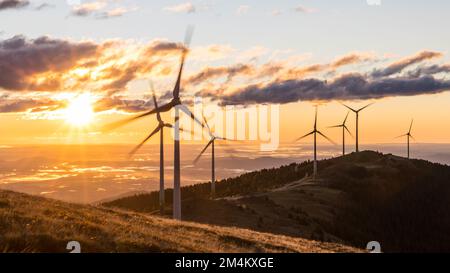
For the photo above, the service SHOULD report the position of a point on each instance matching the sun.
(79, 112)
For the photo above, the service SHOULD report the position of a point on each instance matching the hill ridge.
(37, 224)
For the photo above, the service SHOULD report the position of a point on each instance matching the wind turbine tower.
(344, 128)
(314, 132)
(408, 136)
(357, 122)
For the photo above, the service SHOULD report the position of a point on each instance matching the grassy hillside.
(35, 224)
(357, 198)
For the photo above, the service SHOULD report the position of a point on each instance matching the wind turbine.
(160, 129)
(211, 142)
(344, 128)
(315, 132)
(357, 122)
(408, 136)
(176, 104)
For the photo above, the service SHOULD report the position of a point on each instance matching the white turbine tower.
(357, 122)
(344, 128)
(315, 132)
(176, 104)
(408, 137)
(159, 128)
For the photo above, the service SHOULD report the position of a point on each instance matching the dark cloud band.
(348, 87)
(13, 4)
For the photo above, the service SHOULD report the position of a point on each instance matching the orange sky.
(380, 123)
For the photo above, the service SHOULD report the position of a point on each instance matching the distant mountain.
(403, 204)
(36, 224)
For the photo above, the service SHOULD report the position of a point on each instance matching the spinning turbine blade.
(181, 129)
(315, 120)
(302, 137)
(401, 136)
(203, 151)
(188, 35)
(410, 126)
(158, 115)
(145, 140)
(345, 127)
(186, 110)
(351, 109)
(327, 138)
(187, 40)
(206, 122)
(365, 107)
(176, 90)
(346, 117)
(120, 123)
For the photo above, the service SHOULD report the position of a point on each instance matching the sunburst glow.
(79, 113)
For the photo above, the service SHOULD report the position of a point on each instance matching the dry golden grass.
(34, 224)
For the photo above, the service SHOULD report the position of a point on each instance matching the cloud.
(19, 105)
(100, 10)
(303, 9)
(44, 6)
(347, 87)
(117, 12)
(187, 7)
(47, 64)
(221, 71)
(430, 70)
(276, 12)
(349, 59)
(13, 4)
(32, 66)
(122, 104)
(87, 9)
(243, 9)
(23, 61)
(399, 66)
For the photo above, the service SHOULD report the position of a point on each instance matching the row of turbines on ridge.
(178, 106)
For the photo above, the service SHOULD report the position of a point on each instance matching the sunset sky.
(68, 68)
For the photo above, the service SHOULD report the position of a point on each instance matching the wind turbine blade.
(315, 119)
(176, 90)
(410, 127)
(351, 109)
(186, 110)
(158, 115)
(164, 108)
(412, 137)
(345, 127)
(145, 140)
(187, 41)
(203, 151)
(223, 138)
(336, 126)
(120, 123)
(302, 137)
(346, 117)
(206, 122)
(327, 138)
(364, 107)
(401, 136)
(188, 35)
(168, 125)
